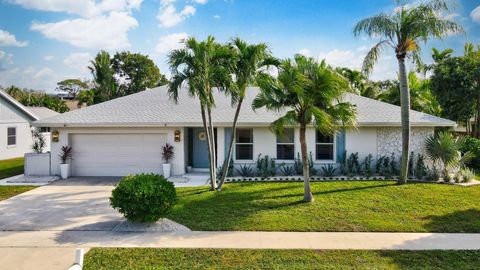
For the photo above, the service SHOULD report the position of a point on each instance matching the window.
(11, 136)
(244, 144)
(285, 145)
(324, 147)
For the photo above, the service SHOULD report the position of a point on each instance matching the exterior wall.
(178, 162)
(11, 117)
(390, 140)
(362, 140)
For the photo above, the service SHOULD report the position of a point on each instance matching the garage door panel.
(116, 154)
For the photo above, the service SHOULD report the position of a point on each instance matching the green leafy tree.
(86, 97)
(248, 62)
(72, 86)
(135, 72)
(421, 97)
(452, 83)
(472, 56)
(37, 99)
(403, 30)
(360, 82)
(306, 93)
(201, 67)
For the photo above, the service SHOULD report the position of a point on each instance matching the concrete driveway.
(80, 204)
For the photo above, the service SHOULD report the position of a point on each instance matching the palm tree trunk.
(307, 193)
(226, 164)
(405, 117)
(207, 132)
(212, 150)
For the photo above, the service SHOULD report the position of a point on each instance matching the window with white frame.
(244, 144)
(325, 146)
(286, 145)
(11, 136)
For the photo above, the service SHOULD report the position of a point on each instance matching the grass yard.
(10, 191)
(11, 167)
(376, 206)
(148, 258)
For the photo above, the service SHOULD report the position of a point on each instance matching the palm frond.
(372, 57)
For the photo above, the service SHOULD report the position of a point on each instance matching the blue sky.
(43, 42)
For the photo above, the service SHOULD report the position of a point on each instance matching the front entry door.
(200, 149)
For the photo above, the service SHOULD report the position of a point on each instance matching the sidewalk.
(246, 240)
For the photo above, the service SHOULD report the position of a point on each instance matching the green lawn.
(10, 191)
(11, 167)
(377, 206)
(118, 258)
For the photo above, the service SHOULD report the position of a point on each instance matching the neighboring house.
(125, 135)
(15, 126)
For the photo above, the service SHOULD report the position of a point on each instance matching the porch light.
(177, 135)
(55, 136)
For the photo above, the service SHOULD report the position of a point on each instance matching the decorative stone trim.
(315, 178)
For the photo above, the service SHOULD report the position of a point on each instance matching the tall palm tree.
(307, 93)
(202, 67)
(403, 30)
(248, 62)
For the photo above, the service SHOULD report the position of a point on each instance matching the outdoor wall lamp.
(177, 135)
(55, 136)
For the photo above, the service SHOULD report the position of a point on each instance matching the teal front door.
(199, 149)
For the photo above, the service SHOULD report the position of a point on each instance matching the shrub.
(66, 154)
(467, 175)
(353, 165)
(367, 165)
(472, 145)
(167, 152)
(328, 170)
(420, 168)
(39, 141)
(143, 197)
(245, 171)
(287, 170)
(265, 166)
(299, 164)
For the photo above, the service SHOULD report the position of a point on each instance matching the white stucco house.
(15, 126)
(125, 135)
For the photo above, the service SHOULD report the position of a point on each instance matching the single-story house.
(125, 135)
(15, 126)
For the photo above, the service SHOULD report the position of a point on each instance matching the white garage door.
(116, 154)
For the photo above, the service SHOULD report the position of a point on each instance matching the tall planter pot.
(64, 170)
(166, 170)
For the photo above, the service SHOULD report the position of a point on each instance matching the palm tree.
(202, 67)
(403, 30)
(445, 148)
(105, 85)
(306, 93)
(248, 62)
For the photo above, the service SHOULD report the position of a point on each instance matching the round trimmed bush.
(143, 197)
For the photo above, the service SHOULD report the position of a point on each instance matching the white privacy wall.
(65, 135)
(362, 140)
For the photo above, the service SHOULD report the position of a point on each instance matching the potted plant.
(65, 156)
(167, 153)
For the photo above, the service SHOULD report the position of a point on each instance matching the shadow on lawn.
(458, 222)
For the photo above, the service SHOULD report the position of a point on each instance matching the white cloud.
(217, 17)
(102, 32)
(79, 62)
(31, 77)
(7, 39)
(168, 16)
(201, 2)
(170, 42)
(5, 58)
(475, 14)
(305, 52)
(48, 57)
(85, 8)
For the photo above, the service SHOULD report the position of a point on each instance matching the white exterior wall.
(178, 162)
(11, 117)
(362, 140)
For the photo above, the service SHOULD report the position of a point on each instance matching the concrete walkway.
(248, 240)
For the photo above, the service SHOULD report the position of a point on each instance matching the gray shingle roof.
(42, 112)
(154, 108)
